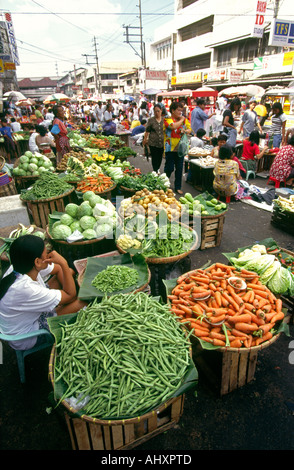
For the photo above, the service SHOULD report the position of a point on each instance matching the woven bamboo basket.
(170, 259)
(89, 433)
(2, 162)
(127, 191)
(41, 208)
(8, 189)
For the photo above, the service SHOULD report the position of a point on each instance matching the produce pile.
(203, 204)
(117, 169)
(124, 152)
(94, 218)
(150, 181)
(272, 272)
(48, 185)
(149, 203)
(97, 184)
(154, 240)
(32, 164)
(284, 204)
(224, 313)
(81, 156)
(115, 278)
(122, 357)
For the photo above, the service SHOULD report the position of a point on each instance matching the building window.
(224, 56)
(163, 50)
(195, 63)
(248, 49)
(197, 29)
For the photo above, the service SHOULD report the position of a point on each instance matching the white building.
(214, 43)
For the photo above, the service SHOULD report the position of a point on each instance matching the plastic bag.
(109, 128)
(183, 146)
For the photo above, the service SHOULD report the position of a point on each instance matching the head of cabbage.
(87, 222)
(66, 219)
(84, 209)
(61, 232)
(72, 209)
(89, 234)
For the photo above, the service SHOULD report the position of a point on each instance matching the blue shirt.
(6, 130)
(138, 130)
(198, 116)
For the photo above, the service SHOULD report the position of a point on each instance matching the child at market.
(25, 300)
(251, 151)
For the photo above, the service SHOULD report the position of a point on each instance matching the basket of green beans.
(122, 357)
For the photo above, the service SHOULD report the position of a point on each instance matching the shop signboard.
(9, 66)
(11, 38)
(216, 75)
(156, 75)
(4, 43)
(187, 77)
(259, 19)
(273, 64)
(282, 33)
(1, 67)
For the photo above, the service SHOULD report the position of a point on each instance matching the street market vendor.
(59, 131)
(25, 300)
(226, 173)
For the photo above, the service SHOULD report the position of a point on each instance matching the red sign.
(86, 90)
(74, 87)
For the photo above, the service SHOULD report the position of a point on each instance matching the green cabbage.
(66, 219)
(24, 159)
(269, 272)
(244, 259)
(84, 209)
(61, 232)
(34, 160)
(95, 199)
(28, 153)
(260, 264)
(76, 226)
(280, 282)
(87, 222)
(87, 195)
(103, 228)
(72, 209)
(89, 234)
(32, 167)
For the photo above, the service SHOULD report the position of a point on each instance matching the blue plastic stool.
(249, 173)
(21, 354)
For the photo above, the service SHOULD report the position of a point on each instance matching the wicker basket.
(41, 208)
(88, 433)
(170, 259)
(2, 162)
(4, 179)
(8, 189)
(127, 191)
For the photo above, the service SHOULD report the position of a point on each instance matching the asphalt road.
(258, 416)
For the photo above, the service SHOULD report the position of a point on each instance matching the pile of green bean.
(47, 185)
(115, 278)
(170, 240)
(128, 353)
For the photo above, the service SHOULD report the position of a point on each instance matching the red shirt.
(249, 150)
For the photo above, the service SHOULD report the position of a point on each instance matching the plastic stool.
(277, 182)
(228, 199)
(249, 173)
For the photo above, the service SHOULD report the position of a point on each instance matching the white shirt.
(23, 303)
(98, 113)
(15, 126)
(32, 142)
(107, 116)
(49, 116)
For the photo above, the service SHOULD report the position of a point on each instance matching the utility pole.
(139, 38)
(96, 71)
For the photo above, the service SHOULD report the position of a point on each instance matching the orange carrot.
(264, 338)
(237, 343)
(279, 316)
(246, 318)
(266, 328)
(245, 327)
(218, 298)
(279, 305)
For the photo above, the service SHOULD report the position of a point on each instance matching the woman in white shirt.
(25, 300)
(278, 126)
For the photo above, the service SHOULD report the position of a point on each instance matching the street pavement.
(258, 416)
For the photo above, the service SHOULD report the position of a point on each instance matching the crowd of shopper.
(159, 128)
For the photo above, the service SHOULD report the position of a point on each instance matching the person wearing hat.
(250, 120)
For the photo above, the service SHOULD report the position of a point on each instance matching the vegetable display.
(203, 204)
(115, 278)
(97, 184)
(151, 181)
(123, 356)
(32, 164)
(124, 152)
(95, 217)
(272, 272)
(223, 315)
(285, 204)
(149, 203)
(48, 185)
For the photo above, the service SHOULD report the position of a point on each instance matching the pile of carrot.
(229, 317)
(95, 184)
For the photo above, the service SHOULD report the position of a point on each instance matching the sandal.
(179, 191)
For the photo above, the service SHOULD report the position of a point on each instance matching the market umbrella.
(254, 90)
(26, 102)
(232, 90)
(15, 95)
(151, 91)
(56, 98)
(128, 98)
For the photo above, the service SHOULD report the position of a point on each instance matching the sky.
(54, 36)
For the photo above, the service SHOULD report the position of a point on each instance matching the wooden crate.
(284, 220)
(40, 210)
(126, 434)
(227, 369)
(211, 231)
